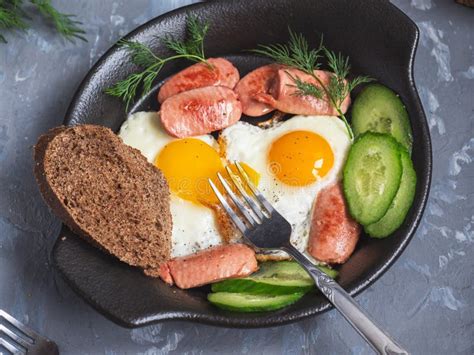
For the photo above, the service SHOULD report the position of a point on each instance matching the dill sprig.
(13, 17)
(296, 54)
(194, 45)
(304, 88)
(64, 23)
(192, 49)
(140, 53)
(339, 86)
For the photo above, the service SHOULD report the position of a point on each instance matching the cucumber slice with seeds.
(244, 302)
(379, 109)
(371, 176)
(402, 202)
(273, 278)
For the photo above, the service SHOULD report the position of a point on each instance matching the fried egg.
(182, 162)
(187, 164)
(291, 162)
(296, 159)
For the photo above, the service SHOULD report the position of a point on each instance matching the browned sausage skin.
(272, 87)
(200, 111)
(210, 265)
(217, 71)
(258, 81)
(283, 94)
(334, 234)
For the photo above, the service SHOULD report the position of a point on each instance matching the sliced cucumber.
(400, 205)
(244, 302)
(273, 278)
(371, 176)
(250, 286)
(379, 109)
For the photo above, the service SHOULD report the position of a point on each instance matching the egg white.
(250, 144)
(194, 226)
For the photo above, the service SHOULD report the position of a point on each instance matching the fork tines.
(254, 209)
(18, 339)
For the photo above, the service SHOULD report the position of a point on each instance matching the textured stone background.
(426, 299)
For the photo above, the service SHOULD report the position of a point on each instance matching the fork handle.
(346, 305)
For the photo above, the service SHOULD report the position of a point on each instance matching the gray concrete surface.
(426, 299)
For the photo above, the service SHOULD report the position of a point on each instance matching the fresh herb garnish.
(194, 45)
(339, 87)
(296, 53)
(304, 88)
(191, 49)
(13, 17)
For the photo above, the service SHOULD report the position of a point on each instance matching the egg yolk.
(300, 158)
(188, 164)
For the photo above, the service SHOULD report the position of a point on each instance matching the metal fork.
(18, 339)
(265, 228)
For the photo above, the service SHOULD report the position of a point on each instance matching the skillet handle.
(380, 341)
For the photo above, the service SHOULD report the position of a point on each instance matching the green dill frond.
(175, 45)
(339, 87)
(64, 23)
(304, 88)
(305, 58)
(280, 53)
(141, 54)
(142, 82)
(338, 64)
(197, 31)
(359, 80)
(126, 89)
(150, 75)
(295, 53)
(12, 17)
(194, 44)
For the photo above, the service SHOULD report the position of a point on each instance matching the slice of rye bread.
(107, 193)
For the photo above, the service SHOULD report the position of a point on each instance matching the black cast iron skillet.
(381, 42)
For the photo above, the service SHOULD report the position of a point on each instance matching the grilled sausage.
(283, 94)
(200, 111)
(210, 265)
(258, 81)
(220, 72)
(334, 234)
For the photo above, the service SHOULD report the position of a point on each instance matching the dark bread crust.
(107, 193)
(469, 3)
